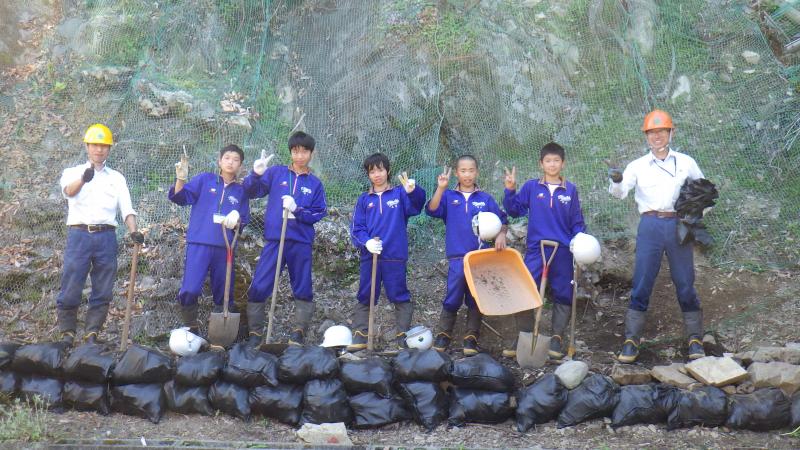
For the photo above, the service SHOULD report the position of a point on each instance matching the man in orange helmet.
(94, 194)
(657, 178)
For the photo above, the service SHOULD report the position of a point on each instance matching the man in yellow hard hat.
(94, 194)
(657, 178)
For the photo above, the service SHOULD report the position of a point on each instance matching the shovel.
(268, 347)
(532, 354)
(370, 330)
(223, 328)
(575, 274)
(126, 326)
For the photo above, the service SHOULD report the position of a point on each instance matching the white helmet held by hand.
(337, 336)
(419, 337)
(486, 225)
(585, 248)
(183, 342)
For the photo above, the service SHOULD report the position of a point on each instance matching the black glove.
(137, 237)
(615, 175)
(88, 174)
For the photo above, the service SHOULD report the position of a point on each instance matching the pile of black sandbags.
(39, 368)
(87, 372)
(419, 375)
(187, 392)
(372, 398)
(317, 370)
(137, 382)
(480, 392)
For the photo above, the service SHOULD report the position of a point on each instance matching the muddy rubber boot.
(256, 316)
(447, 321)
(189, 317)
(693, 323)
(303, 313)
(95, 318)
(559, 322)
(360, 325)
(524, 323)
(67, 323)
(402, 316)
(474, 317)
(634, 324)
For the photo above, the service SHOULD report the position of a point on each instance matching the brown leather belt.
(661, 214)
(94, 228)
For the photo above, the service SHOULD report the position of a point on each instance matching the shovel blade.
(532, 359)
(223, 330)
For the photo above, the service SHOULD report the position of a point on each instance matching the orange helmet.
(657, 119)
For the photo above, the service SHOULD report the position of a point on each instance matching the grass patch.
(24, 421)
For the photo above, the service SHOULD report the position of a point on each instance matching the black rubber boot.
(297, 337)
(303, 314)
(524, 322)
(256, 316)
(189, 317)
(693, 322)
(444, 335)
(360, 325)
(402, 316)
(559, 322)
(634, 324)
(67, 323)
(474, 317)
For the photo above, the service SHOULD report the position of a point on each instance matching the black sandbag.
(426, 365)
(763, 410)
(202, 369)
(795, 410)
(325, 401)
(283, 402)
(7, 350)
(642, 404)
(482, 372)
(595, 397)
(540, 402)
(230, 399)
(48, 390)
(371, 410)
(90, 362)
(40, 359)
(187, 399)
(141, 400)
(142, 365)
(300, 364)
(9, 382)
(250, 367)
(367, 375)
(427, 401)
(706, 406)
(477, 406)
(85, 396)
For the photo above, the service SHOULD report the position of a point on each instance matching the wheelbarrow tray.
(500, 282)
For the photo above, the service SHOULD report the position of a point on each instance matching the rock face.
(625, 374)
(672, 375)
(775, 374)
(571, 373)
(715, 371)
(324, 434)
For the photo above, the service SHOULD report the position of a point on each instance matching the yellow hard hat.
(98, 134)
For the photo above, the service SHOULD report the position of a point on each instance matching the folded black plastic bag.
(763, 410)
(371, 410)
(187, 399)
(428, 402)
(595, 397)
(250, 367)
(300, 364)
(9, 382)
(795, 410)
(694, 197)
(7, 350)
(482, 372)
(142, 365)
(367, 375)
(642, 404)
(706, 406)
(48, 390)
(540, 402)
(325, 401)
(44, 359)
(231, 399)
(422, 365)
(202, 369)
(84, 396)
(283, 402)
(477, 406)
(90, 362)
(141, 400)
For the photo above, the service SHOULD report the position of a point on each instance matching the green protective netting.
(425, 81)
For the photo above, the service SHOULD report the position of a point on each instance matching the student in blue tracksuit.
(295, 189)
(456, 208)
(554, 213)
(217, 200)
(379, 227)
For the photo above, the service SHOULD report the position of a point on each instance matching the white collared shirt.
(98, 200)
(658, 183)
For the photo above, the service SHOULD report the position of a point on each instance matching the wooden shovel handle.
(228, 265)
(126, 326)
(373, 276)
(277, 275)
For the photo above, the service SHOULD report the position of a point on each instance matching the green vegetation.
(24, 421)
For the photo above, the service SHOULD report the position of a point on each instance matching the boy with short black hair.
(295, 189)
(554, 213)
(379, 227)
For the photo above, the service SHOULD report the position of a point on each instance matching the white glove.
(374, 246)
(289, 203)
(231, 220)
(182, 167)
(260, 165)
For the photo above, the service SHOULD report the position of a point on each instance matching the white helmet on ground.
(337, 336)
(585, 248)
(183, 342)
(486, 225)
(419, 337)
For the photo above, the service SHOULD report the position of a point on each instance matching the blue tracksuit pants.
(655, 237)
(296, 258)
(391, 274)
(457, 290)
(559, 276)
(200, 260)
(88, 254)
